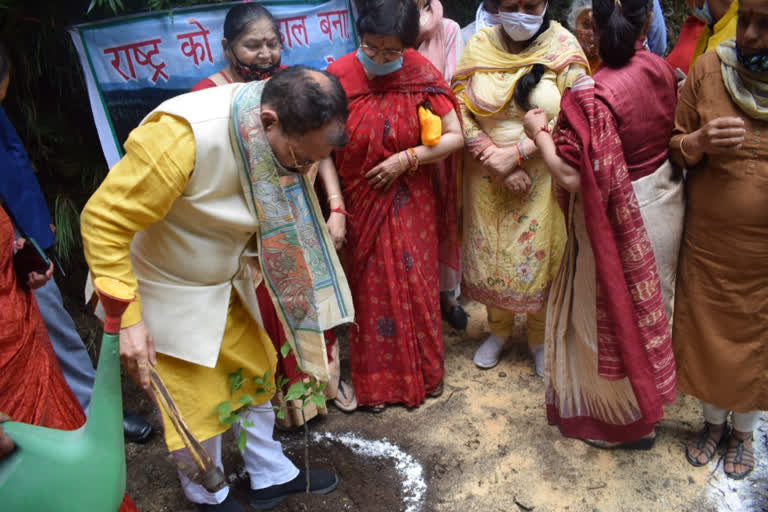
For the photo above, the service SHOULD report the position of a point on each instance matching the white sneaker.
(487, 354)
(538, 358)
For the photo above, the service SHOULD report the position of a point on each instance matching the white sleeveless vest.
(187, 263)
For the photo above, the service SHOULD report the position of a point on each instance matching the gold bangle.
(415, 165)
(403, 166)
(686, 156)
(335, 196)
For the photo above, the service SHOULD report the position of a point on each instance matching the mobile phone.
(30, 258)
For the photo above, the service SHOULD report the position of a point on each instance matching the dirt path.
(484, 445)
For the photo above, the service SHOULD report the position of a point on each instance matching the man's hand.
(137, 350)
(6, 443)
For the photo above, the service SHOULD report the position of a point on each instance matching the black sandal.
(706, 444)
(437, 391)
(453, 313)
(644, 443)
(741, 455)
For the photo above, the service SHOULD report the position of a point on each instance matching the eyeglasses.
(299, 164)
(388, 54)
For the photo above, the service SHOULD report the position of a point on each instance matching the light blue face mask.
(378, 69)
(704, 13)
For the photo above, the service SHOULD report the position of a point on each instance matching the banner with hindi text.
(134, 63)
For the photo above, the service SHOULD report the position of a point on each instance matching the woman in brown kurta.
(721, 310)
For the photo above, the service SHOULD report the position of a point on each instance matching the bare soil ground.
(483, 445)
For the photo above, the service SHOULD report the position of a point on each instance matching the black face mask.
(757, 63)
(252, 72)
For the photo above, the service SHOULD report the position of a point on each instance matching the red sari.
(633, 338)
(682, 54)
(32, 387)
(396, 353)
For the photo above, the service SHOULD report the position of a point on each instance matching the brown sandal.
(345, 397)
(741, 455)
(706, 443)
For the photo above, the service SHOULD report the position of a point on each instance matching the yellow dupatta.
(487, 73)
(711, 37)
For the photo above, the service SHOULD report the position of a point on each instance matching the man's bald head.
(306, 100)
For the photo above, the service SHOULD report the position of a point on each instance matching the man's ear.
(269, 119)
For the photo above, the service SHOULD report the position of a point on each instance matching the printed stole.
(299, 263)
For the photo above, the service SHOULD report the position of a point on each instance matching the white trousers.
(264, 459)
(742, 421)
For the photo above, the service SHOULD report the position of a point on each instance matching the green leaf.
(236, 381)
(245, 400)
(229, 420)
(224, 409)
(258, 381)
(296, 391)
(247, 424)
(267, 375)
(318, 400)
(241, 440)
(321, 387)
(281, 414)
(281, 381)
(285, 349)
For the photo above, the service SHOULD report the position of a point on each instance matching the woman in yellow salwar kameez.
(513, 229)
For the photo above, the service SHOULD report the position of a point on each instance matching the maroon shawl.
(634, 338)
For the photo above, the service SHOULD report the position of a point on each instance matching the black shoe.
(321, 482)
(136, 427)
(228, 505)
(456, 317)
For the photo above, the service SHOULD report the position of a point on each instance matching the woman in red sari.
(32, 387)
(396, 353)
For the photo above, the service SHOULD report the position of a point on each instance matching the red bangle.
(520, 159)
(341, 210)
(544, 128)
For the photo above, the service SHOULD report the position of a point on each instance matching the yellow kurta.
(138, 191)
(512, 243)
(711, 37)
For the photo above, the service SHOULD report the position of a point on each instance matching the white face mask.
(520, 26)
(485, 19)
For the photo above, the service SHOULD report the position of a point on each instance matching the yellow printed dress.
(512, 243)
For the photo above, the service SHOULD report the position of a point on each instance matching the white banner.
(134, 63)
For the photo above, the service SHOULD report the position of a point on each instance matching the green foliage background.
(48, 103)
